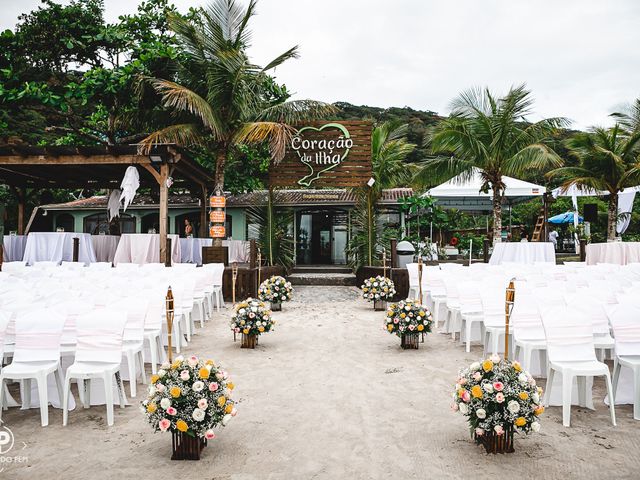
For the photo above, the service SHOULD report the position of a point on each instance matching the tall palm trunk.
(612, 216)
(218, 187)
(497, 213)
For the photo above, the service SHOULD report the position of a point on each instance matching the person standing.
(188, 228)
(553, 238)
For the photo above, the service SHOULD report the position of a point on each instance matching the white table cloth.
(105, 247)
(144, 248)
(192, 249)
(57, 247)
(619, 253)
(238, 250)
(523, 252)
(14, 247)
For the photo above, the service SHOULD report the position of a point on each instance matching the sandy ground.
(329, 394)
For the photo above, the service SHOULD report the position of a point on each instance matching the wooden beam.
(74, 160)
(21, 201)
(203, 213)
(164, 212)
(153, 172)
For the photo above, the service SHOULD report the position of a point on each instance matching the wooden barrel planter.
(410, 341)
(248, 340)
(186, 447)
(276, 306)
(379, 305)
(494, 443)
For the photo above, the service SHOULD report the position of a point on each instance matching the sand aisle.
(329, 394)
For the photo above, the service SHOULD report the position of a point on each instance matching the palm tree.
(220, 97)
(493, 135)
(609, 160)
(629, 117)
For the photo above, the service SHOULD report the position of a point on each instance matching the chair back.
(38, 334)
(136, 310)
(99, 336)
(4, 324)
(525, 318)
(412, 271)
(45, 265)
(100, 265)
(625, 322)
(569, 336)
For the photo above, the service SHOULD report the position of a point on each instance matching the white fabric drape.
(130, 184)
(113, 205)
(625, 205)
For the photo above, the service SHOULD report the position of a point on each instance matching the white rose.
(475, 366)
(495, 358)
(241, 311)
(481, 413)
(488, 388)
(464, 409)
(513, 406)
(226, 419)
(165, 403)
(179, 358)
(152, 389)
(197, 386)
(522, 378)
(165, 366)
(535, 426)
(198, 415)
(535, 397)
(162, 373)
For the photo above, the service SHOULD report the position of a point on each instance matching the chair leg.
(153, 351)
(612, 406)
(582, 391)
(26, 397)
(495, 342)
(121, 393)
(65, 399)
(547, 391)
(41, 381)
(567, 387)
(2, 397)
(616, 377)
(468, 335)
(143, 373)
(107, 379)
(636, 396)
(131, 363)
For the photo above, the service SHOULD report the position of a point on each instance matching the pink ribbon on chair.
(99, 339)
(38, 340)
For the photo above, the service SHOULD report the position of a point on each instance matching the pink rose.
(184, 375)
(411, 327)
(396, 321)
(454, 407)
(499, 430)
(193, 361)
(500, 397)
(171, 411)
(462, 381)
(209, 435)
(237, 330)
(164, 425)
(466, 396)
(477, 376)
(479, 431)
(160, 387)
(234, 412)
(498, 386)
(213, 386)
(202, 404)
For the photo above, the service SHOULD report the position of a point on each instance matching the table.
(238, 250)
(619, 253)
(14, 247)
(523, 252)
(144, 248)
(192, 249)
(57, 247)
(105, 247)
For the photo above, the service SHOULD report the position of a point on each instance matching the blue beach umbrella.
(566, 217)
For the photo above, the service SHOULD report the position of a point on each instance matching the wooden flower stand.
(248, 340)
(379, 305)
(410, 341)
(276, 306)
(186, 447)
(494, 443)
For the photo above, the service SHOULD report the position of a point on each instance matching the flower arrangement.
(190, 396)
(378, 288)
(405, 317)
(275, 290)
(498, 398)
(251, 317)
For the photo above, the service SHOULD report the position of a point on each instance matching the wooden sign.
(326, 154)
(217, 231)
(216, 216)
(217, 202)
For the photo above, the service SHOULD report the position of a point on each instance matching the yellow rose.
(182, 426)
(521, 422)
(539, 411)
(389, 313)
(152, 407)
(390, 327)
(230, 385)
(203, 373)
(154, 378)
(403, 315)
(261, 329)
(175, 365)
(523, 395)
(517, 367)
(175, 392)
(228, 408)
(421, 313)
(476, 391)
(245, 331)
(487, 365)
(222, 401)
(210, 362)
(420, 327)
(461, 392)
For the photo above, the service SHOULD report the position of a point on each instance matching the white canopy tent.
(464, 193)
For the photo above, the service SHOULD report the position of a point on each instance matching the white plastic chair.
(133, 339)
(528, 332)
(625, 321)
(214, 289)
(36, 356)
(98, 355)
(470, 310)
(45, 265)
(572, 354)
(153, 328)
(100, 266)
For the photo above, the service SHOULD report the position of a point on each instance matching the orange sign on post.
(216, 216)
(217, 231)
(217, 202)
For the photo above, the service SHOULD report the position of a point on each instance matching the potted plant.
(251, 318)
(275, 290)
(378, 290)
(189, 398)
(408, 320)
(498, 398)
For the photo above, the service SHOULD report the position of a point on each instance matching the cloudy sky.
(580, 57)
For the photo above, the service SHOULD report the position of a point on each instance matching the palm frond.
(280, 59)
(185, 134)
(277, 134)
(441, 169)
(273, 225)
(296, 111)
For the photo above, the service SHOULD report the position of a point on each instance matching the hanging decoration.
(130, 184)
(113, 205)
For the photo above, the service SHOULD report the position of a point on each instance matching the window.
(98, 223)
(66, 222)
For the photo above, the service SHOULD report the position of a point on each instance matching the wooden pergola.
(25, 167)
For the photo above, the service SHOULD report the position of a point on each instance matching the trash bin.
(404, 251)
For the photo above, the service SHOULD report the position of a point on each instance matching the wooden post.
(169, 249)
(545, 214)
(203, 214)
(1, 255)
(394, 253)
(76, 249)
(508, 307)
(169, 316)
(420, 279)
(164, 212)
(485, 250)
(384, 261)
(253, 250)
(21, 201)
(583, 249)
